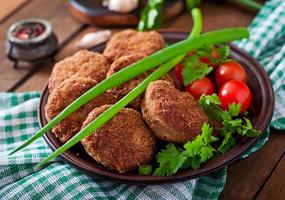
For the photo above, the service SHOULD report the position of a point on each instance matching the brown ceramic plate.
(261, 111)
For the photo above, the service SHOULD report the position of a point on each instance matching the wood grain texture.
(41, 77)
(215, 16)
(64, 26)
(246, 176)
(275, 186)
(7, 8)
(182, 22)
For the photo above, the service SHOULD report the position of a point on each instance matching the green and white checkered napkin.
(18, 122)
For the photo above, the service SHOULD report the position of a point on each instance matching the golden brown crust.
(123, 89)
(62, 96)
(84, 63)
(126, 87)
(123, 143)
(131, 41)
(172, 115)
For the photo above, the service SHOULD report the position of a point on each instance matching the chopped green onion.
(133, 70)
(145, 170)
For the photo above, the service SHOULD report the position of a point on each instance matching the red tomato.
(191, 53)
(203, 86)
(235, 92)
(178, 72)
(230, 71)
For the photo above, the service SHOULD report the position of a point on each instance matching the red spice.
(28, 31)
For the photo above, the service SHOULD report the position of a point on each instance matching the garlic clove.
(92, 39)
(122, 6)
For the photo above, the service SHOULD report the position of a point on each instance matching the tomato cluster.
(228, 79)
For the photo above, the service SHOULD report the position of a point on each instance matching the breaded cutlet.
(172, 115)
(131, 41)
(123, 143)
(123, 89)
(66, 93)
(83, 63)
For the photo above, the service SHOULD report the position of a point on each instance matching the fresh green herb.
(211, 106)
(227, 143)
(151, 15)
(198, 151)
(201, 148)
(145, 169)
(223, 52)
(170, 160)
(231, 124)
(193, 155)
(194, 69)
(195, 66)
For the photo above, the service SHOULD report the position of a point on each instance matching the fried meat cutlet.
(126, 87)
(131, 41)
(123, 143)
(66, 93)
(172, 115)
(84, 63)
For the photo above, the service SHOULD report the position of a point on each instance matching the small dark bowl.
(92, 12)
(261, 111)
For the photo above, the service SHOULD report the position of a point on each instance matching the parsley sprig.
(201, 149)
(196, 69)
(231, 123)
(193, 154)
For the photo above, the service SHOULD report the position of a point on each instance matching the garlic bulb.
(92, 39)
(122, 6)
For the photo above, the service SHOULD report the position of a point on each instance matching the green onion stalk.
(174, 53)
(114, 109)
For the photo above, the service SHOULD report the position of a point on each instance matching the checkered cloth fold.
(18, 122)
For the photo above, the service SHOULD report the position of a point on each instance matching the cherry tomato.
(178, 72)
(203, 86)
(235, 92)
(230, 71)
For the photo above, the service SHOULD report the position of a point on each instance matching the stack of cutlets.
(126, 141)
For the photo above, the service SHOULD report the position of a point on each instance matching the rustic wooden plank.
(184, 22)
(42, 75)
(215, 16)
(7, 8)
(64, 26)
(275, 187)
(246, 177)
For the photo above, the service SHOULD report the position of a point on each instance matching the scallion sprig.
(114, 109)
(172, 51)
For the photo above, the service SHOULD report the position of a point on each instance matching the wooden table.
(259, 176)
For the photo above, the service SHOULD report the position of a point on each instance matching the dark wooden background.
(261, 176)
